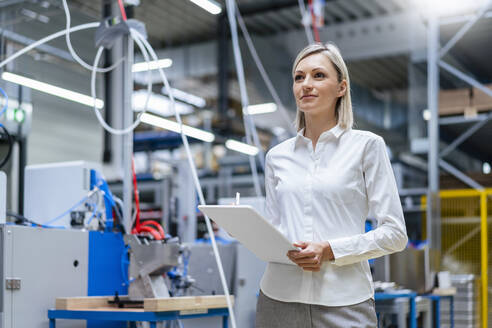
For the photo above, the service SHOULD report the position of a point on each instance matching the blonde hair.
(343, 108)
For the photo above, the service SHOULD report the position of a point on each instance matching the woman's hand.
(312, 255)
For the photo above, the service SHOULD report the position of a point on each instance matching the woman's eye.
(319, 75)
(297, 77)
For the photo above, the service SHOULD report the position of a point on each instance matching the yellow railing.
(464, 213)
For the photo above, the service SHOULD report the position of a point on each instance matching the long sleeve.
(390, 235)
(271, 205)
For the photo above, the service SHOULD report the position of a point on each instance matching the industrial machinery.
(150, 261)
(68, 194)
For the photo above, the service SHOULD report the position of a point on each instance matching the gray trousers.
(271, 313)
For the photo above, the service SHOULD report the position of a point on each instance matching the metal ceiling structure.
(374, 35)
(172, 23)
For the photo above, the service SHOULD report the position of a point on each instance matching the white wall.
(61, 130)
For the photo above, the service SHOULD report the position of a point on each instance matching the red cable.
(313, 20)
(155, 224)
(122, 9)
(139, 227)
(152, 231)
(135, 192)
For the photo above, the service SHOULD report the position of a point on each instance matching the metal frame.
(434, 62)
(436, 300)
(133, 316)
(411, 297)
(461, 119)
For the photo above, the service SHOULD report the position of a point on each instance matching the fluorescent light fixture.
(449, 7)
(186, 97)
(161, 63)
(241, 147)
(209, 5)
(52, 90)
(261, 108)
(158, 104)
(174, 126)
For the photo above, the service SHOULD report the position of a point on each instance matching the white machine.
(52, 189)
(3, 197)
(37, 266)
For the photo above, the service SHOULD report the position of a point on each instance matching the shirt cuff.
(342, 249)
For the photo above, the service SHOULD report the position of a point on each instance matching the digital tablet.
(252, 230)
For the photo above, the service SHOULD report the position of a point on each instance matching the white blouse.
(326, 195)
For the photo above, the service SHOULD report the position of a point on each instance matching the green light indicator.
(19, 115)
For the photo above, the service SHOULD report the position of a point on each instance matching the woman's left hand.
(312, 255)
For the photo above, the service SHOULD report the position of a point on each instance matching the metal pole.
(461, 119)
(462, 31)
(471, 81)
(222, 64)
(127, 138)
(465, 135)
(433, 201)
(249, 126)
(460, 175)
(107, 78)
(484, 257)
(263, 73)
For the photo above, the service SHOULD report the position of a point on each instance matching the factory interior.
(139, 140)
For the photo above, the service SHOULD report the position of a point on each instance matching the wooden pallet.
(185, 303)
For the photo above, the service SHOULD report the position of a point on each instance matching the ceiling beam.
(54, 51)
(254, 8)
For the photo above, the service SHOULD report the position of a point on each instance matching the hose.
(263, 73)
(72, 51)
(195, 180)
(93, 90)
(47, 39)
(248, 121)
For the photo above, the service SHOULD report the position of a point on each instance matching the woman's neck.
(315, 126)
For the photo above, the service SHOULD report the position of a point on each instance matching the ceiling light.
(143, 66)
(186, 97)
(486, 168)
(174, 126)
(241, 147)
(426, 114)
(158, 104)
(449, 7)
(219, 151)
(278, 130)
(209, 5)
(261, 108)
(52, 90)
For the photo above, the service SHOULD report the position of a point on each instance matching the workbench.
(131, 315)
(154, 310)
(408, 295)
(436, 300)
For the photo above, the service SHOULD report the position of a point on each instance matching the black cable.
(118, 215)
(11, 144)
(22, 219)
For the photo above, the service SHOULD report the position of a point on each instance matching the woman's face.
(316, 87)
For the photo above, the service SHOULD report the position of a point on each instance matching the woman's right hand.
(312, 255)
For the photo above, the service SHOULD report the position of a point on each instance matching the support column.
(223, 65)
(433, 201)
(417, 101)
(108, 81)
(484, 244)
(127, 138)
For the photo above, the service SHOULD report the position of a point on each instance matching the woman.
(320, 187)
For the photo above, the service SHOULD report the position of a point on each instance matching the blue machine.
(98, 181)
(106, 276)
